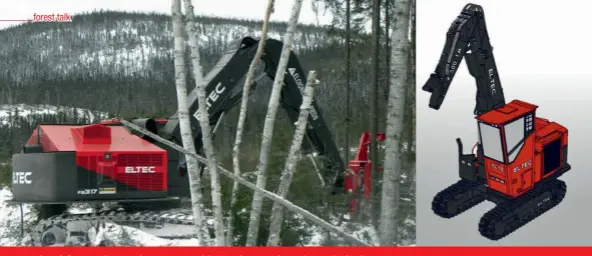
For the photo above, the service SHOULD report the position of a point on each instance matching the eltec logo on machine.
(21, 178)
(212, 98)
(140, 169)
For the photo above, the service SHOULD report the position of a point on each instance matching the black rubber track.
(457, 198)
(507, 217)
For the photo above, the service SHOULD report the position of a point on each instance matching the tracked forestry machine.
(519, 156)
(107, 162)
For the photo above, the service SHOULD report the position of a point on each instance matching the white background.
(543, 53)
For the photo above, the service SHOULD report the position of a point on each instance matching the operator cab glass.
(502, 140)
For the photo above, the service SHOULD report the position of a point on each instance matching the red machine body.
(108, 163)
(519, 163)
(358, 178)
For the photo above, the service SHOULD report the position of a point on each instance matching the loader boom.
(224, 91)
(467, 38)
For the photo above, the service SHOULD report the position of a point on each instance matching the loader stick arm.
(224, 86)
(467, 38)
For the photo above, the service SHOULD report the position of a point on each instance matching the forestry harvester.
(519, 156)
(109, 162)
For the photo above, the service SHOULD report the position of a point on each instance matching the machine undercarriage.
(509, 214)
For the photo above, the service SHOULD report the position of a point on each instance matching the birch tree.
(292, 160)
(411, 90)
(204, 123)
(272, 108)
(396, 103)
(373, 206)
(243, 116)
(184, 122)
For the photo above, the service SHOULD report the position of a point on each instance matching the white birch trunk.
(273, 197)
(269, 124)
(243, 116)
(184, 122)
(193, 34)
(292, 160)
(394, 120)
(204, 123)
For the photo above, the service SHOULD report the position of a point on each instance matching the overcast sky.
(251, 9)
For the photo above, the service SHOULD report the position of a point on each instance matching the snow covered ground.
(10, 220)
(115, 235)
(122, 235)
(110, 233)
(24, 110)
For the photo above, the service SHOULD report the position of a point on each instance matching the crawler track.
(457, 198)
(509, 216)
(177, 223)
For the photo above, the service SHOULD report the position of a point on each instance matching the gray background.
(543, 54)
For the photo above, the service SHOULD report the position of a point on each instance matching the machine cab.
(508, 147)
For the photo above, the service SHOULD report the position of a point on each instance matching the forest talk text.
(52, 17)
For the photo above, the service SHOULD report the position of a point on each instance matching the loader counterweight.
(66, 163)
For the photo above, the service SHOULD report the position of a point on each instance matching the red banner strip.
(292, 251)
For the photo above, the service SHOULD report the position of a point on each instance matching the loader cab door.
(515, 133)
(490, 138)
(503, 143)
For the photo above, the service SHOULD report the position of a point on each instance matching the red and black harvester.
(519, 156)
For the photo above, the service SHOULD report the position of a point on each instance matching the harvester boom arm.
(468, 38)
(224, 91)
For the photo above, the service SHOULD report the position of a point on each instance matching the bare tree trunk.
(204, 123)
(374, 205)
(269, 123)
(243, 116)
(398, 75)
(184, 122)
(292, 160)
(191, 28)
(412, 83)
(387, 42)
(411, 89)
(346, 149)
(273, 197)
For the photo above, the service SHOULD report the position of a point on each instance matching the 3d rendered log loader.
(107, 162)
(519, 156)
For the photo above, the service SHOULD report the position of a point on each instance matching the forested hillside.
(122, 64)
(101, 56)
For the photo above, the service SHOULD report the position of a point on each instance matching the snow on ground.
(10, 219)
(25, 110)
(10, 235)
(116, 235)
(113, 234)
(366, 233)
